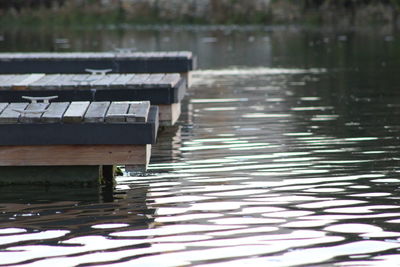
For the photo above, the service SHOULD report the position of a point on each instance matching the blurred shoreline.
(341, 13)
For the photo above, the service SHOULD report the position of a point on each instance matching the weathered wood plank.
(105, 80)
(140, 110)
(153, 80)
(33, 112)
(4, 78)
(12, 79)
(170, 80)
(78, 80)
(173, 54)
(58, 82)
(137, 80)
(55, 112)
(9, 115)
(3, 106)
(117, 112)
(185, 54)
(96, 112)
(74, 155)
(122, 80)
(48, 79)
(76, 111)
(24, 84)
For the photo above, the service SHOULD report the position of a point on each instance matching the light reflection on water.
(228, 187)
(266, 167)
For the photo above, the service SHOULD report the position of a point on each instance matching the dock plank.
(4, 78)
(3, 106)
(117, 112)
(96, 111)
(55, 112)
(76, 111)
(34, 112)
(48, 79)
(140, 110)
(137, 81)
(153, 80)
(59, 82)
(12, 79)
(77, 80)
(9, 115)
(105, 80)
(24, 84)
(122, 80)
(170, 79)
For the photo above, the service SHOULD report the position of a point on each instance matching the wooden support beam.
(188, 77)
(79, 155)
(169, 114)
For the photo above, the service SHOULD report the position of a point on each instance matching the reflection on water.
(267, 167)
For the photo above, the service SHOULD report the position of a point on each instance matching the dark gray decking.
(78, 123)
(157, 88)
(119, 62)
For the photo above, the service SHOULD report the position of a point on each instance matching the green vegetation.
(95, 12)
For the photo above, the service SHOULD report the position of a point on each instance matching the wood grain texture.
(24, 84)
(34, 116)
(140, 110)
(55, 112)
(76, 111)
(9, 115)
(62, 155)
(116, 112)
(96, 111)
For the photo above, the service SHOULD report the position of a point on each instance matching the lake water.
(287, 154)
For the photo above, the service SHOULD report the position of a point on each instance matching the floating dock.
(165, 90)
(121, 61)
(73, 141)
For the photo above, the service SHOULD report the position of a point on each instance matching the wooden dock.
(80, 133)
(122, 61)
(165, 90)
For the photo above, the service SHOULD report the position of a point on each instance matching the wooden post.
(187, 77)
(169, 114)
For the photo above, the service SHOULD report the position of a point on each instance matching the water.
(286, 154)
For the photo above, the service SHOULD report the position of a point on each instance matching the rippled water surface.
(286, 154)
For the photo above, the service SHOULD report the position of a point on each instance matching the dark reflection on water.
(291, 159)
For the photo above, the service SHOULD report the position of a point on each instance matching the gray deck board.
(76, 111)
(25, 83)
(137, 80)
(9, 115)
(122, 80)
(106, 80)
(96, 111)
(43, 82)
(4, 79)
(117, 112)
(140, 110)
(34, 116)
(73, 81)
(3, 106)
(153, 80)
(55, 112)
(14, 78)
(94, 55)
(170, 79)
